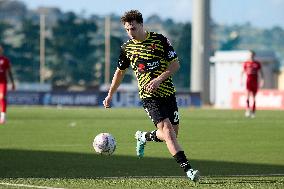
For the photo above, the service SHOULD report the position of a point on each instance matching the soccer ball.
(104, 143)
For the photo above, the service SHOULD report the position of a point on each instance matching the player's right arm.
(123, 64)
(242, 74)
(116, 81)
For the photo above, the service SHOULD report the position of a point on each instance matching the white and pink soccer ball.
(104, 143)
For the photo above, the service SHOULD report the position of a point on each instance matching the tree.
(4, 26)
(183, 49)
(232, 42)
(26, 55)
(73, 49)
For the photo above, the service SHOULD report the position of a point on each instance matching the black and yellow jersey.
(149, 59)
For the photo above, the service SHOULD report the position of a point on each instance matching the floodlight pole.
(200, 50)
(107, 50)
(42, 47)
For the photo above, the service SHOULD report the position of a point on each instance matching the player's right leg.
(151, 106)
(155, 109)
(140, 143)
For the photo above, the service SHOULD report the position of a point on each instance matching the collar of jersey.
(137, 41)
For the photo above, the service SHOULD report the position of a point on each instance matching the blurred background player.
(5, 69)
(153, 61)
(254, 79)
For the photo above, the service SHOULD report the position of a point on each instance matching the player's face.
(134, 30)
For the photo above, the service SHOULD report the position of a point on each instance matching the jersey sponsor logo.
(141, 68)
(153, 65)
(149, 66)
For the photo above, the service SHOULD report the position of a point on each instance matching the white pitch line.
(28, 186)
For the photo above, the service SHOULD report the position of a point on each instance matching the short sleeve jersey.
(4, 66)
(251, 68)
(149, 59)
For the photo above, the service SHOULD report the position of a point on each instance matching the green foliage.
(3, 27)
(240, 37)
(26, 57)
(183, 48)
(74, 63)
(115, 43)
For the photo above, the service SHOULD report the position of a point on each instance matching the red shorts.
(3, 90)
(252, 85)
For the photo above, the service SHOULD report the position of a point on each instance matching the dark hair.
(252, 52)
(132, 15)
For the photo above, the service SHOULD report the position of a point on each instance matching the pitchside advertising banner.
(120, 99)
(265, 99)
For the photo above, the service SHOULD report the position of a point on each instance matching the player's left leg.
(164, 114)
(248, 110)
(167, 133)
(253, 105)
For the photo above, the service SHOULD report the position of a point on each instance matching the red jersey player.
(254, 80)
(5, 69)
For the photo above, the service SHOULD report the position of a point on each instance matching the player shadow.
(45, 164)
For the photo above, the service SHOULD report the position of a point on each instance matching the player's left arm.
(261, 77)
(10, 74)
(155, 83)
(173, 65)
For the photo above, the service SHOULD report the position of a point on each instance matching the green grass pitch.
(43, 147)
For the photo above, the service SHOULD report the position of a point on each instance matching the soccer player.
(154, 61)
(5, 69)
(254, 80)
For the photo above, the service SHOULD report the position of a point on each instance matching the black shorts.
(159, 109)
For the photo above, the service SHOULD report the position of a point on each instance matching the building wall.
(228, 79)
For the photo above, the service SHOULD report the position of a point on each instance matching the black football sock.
(182, 161)
(151, 136)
